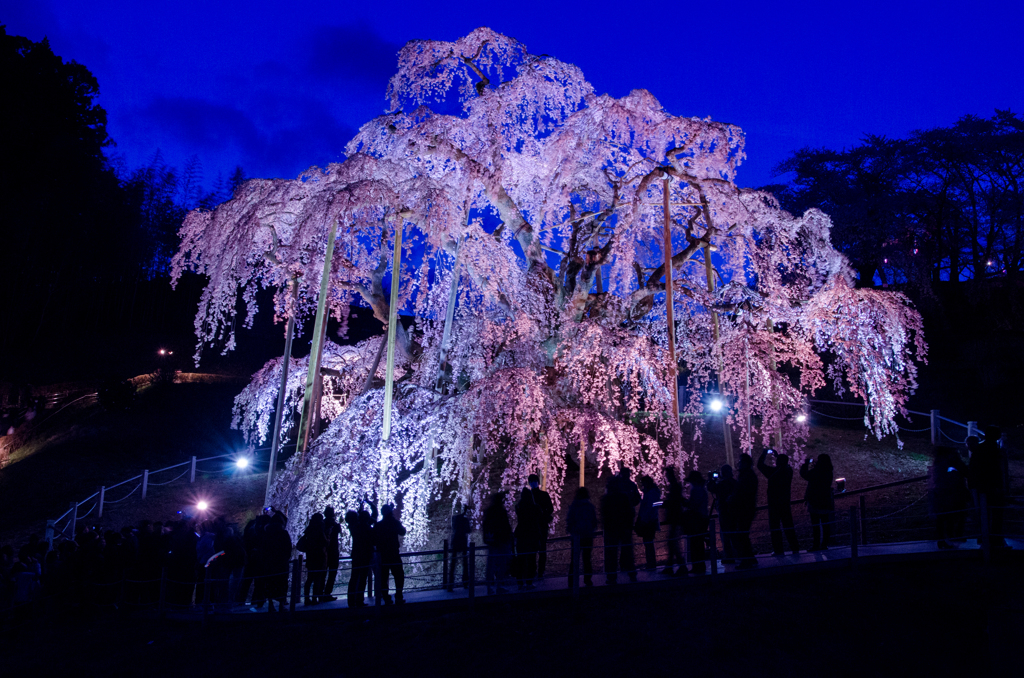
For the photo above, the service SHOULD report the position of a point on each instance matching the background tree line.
(86, 241)
(939, 215)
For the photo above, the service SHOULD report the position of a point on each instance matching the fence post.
(972, 428)
(444, 567)
(853, 536)
(49, 534)
(863, 520)
(714, 547)
(986, 538)
(206, 592)
(192, 476)
(296, 581)
(935, 427)
(574, 566)
(73, 525)
(472, 570)
(162, 605)
(103, 495)
(145, 482)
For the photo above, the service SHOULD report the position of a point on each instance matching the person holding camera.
(780, 490)
(723, 486)
(647, 524)
(821, 503)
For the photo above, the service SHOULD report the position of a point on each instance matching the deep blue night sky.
(277, 87)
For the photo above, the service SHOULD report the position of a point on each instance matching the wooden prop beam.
(275, 444)
(316, 352)
(396, 276)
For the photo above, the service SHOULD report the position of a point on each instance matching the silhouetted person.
(948, 491)
(647, 523)
(528, 529)
(369, 518)
(181, 563)
(497, 531)
(696, 521)
(581, 523)
(821, 503)
(547, 513)
(780, 510)
(985, 474)
(278, 553)
(386, 535)
(362, 557)
(459, 547)
(332, 530)
(617, 505)
(252, 537)
(744, 507)
(723, 488)
(313, 543)
(674, 507)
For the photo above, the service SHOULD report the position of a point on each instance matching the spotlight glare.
(242, 462)
(716, 405)
(202, 506)
(801, 418)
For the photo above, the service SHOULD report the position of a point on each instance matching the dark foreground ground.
(953, 617)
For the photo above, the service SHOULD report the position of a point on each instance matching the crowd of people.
(188, 561)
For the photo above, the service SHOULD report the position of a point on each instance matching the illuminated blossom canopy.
(544, 199)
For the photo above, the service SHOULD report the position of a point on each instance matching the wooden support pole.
(275, 442)
(472, 570)
(192, 470)
(316, 351)
(103, 496)
(775, 396)
(50, 532)
(444, 568)
(853, 535)
(936, 431)
(73, 523)
(296, 584)
(544, 472)
(713, 542)
(863, 520)
(389, 377)
(986, 537)
(145, 483)
(670, 317)
(709, 272)
(449, 317)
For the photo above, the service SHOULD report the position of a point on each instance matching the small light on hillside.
(801, 418)
(716, 405)
(202, 505)
(242, 462)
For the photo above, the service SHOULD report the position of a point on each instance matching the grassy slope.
(171, 422)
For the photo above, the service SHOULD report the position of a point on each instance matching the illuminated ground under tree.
(546, 199)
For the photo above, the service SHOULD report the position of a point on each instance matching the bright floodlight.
(163, 351)
(716, 405)
(202, 506)
(801, 418)
(242, 462)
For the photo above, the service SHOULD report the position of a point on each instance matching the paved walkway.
(767, 564)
